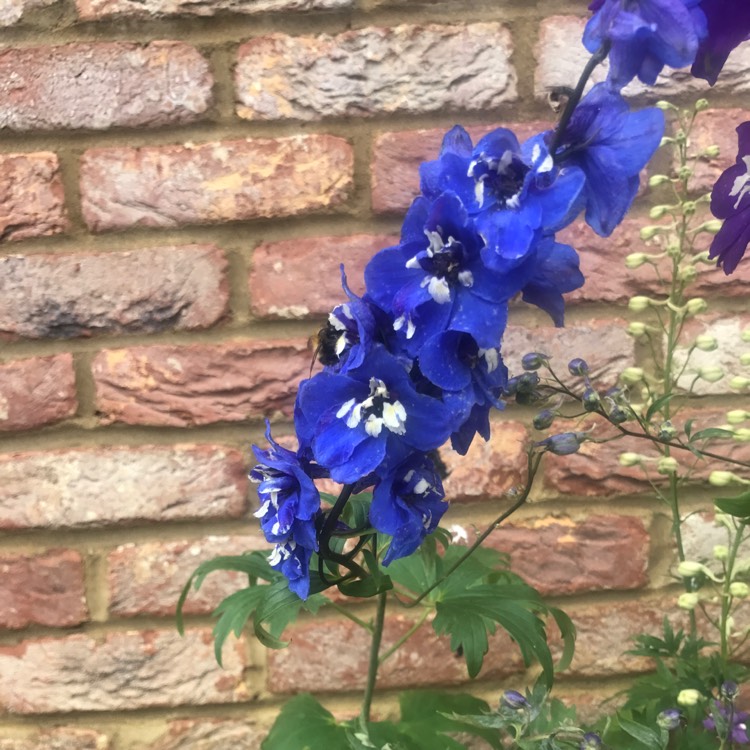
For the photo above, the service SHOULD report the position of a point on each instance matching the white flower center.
(741, 186)
(376, 411)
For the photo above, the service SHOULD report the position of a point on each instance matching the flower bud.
(711, 373)
(739, 589)
(591, 400)
(701, 105)
(669, 719)
(720, 478)
(688, 274)
(688, 601)
(636, 260)
(630, 459)
(544, 419)
(706, 343)
(591, 741)
(639, 303)
(664, 105)
(563, 444)
(631, 375)
(514, 700)
(533, 361)
(745, 335)
(636, 329)
(712, 152)
(648, 233)
(689, 697)
(721, 552)
(617, 415)
(667, 430)
(667, 465)
(712, 226)
(745, 359)
(741, 435)
(696, 305)
(685, 173)
(739, 383)
(657, 179)
(729, 690)
(737, 416)
(578, 367)
(657, 212)
(690, 568)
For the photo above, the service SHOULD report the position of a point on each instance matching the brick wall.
(178, 184)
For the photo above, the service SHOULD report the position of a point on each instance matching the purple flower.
(730, 201)
(728, 26)
(645, 35)
(735, 723)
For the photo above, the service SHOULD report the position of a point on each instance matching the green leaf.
(656, 406)
(234, 612)
(689, 427)
(711, 433)
(568, 632)
(303, 724)
(645, 735)
(739, 506)
(279, 607)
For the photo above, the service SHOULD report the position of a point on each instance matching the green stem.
(404, 638)
(372, 670)
(362, 624)
(726, 599)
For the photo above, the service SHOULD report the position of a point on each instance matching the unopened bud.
(711, 373)
(737, 416)
(739, 590)
(729, 690)
(533, 361)
(636, 329)
(688, 274)
(544, 419)
(745, 359)
(657, 212)
(690, 568)
(514, 700)
(631, 375)
(636, 260)
(689, 697)
(688, 601)
(741, 435)
(563, 444)
(745, 335)
(669, 719)
(590, 400)
(667, 465)
(685, 173)
(639, 303)
(739, 383)
(712, 152)
(657, 179)
(664, 105)
(721, 552)
(701, 105)
(706, 343)
(720, 478)
(712, 226)
(696, 306)
(667, 430)
(648, 233)
(630, 459)
(578, 367)
(591, 741)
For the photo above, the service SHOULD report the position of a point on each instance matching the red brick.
(561, 58)
(167, 186)
(397, 156)
(561, 556)
(209, 734)
(490, 468)
(124, 670)
(32, 197)
(338, 649)
(575, 340)
(103, 85)
(148, 578)
(371, 71)
(99, 9)
(92, 487)
(44, 589)
(37, 391)
(193, 385)
(60, 738)
(300, 278)
(13, 11)
(144, 291)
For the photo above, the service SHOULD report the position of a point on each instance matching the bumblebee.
(326, 346)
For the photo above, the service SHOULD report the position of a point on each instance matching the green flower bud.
(745, 359)
(721, 552)
(745, 335)
(636, 260)
(639, 303)
(669, 719)
(630, 459)
(737, 416)
(688, 601)
(688, 274)
(690, 568)
(689, 697)
(711, 373)
(706, 343)
(631, 375)
(712, 226)
(590, 400)
(685, 173)
(667, 430)
(648, 233)
(720, 478)
(739, 589)
(667, 465)
(636, 329)
(739, 383)
(712, 152)
(657, 212)
(664, 105)
(696, 305)
(657, 179)
(742, 435)
(701, 105)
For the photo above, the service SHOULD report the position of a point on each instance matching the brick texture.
(61, 738)
(36, 392)
(44, 589)
(103, 85)
(13, 11)
(215, 734)
(101, 9)
(146, 291)
(167, 186)
(93, 487)
(194, 385)
(372, 71)
(146, 579)
(125, 670)
(32, 201)
(300, 278)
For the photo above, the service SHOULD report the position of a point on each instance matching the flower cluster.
(417, 359)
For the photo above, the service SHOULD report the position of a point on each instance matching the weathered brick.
(301, 278)
(60, 738)
(98, 9)
(561, 58)
(148, 578)
(92, 487)
(339, 649)
(124, 670)
(562, 556)
(44, 589)
(190, 385)
(144, 291)
(489, 468)
(575, 340)
(37, 391)
(32, 197)
(103, 85)
(700, 535)
(166, 186)
(209, 734)
(370, 71)
(397, 156)
(13, 11)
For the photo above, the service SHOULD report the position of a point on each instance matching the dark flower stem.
(372, 670)
(598, 57)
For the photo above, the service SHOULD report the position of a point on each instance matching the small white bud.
(630, 459)
(688, 274)
(742, 435)
(739, 589)
(706, 343)
(696, 305)
(636, 329)
(631, 375)
(689, 697)
(745, 335)
(690, 568)
(711, 373)
(712, 226)
(712, 152)
(688, 601)
(639, 303)
(664, 105)
(667, 465)
(657, 212)
(737, 416)
(657, 179)
(636, 260)
(648, 233)
(721, 552)
(745, 359)
(739, 383)
(720, 478)
(701, 105)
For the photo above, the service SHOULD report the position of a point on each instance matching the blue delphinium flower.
(289, 504)
(435, 279)
(730, 201)
(611, 145)
(645, 35)
(408, 504)
(369, 419)
(738, 730)
(728, 25)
